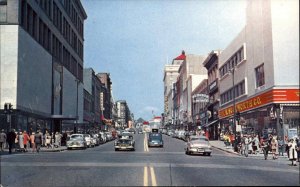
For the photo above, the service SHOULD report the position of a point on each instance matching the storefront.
(272, 112)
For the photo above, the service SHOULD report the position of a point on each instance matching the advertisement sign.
(292, 133)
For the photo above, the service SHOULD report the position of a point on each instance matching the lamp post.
(75, 126)
(234, 112)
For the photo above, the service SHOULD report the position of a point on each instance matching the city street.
(167, 166)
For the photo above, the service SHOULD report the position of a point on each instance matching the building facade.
(211, 64)
(41, 63)
(259, 71)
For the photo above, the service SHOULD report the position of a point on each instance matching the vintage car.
(125, 141)
(155, 140)
(198, 145)
(76, 141)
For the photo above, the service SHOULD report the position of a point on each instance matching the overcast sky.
(133, 40)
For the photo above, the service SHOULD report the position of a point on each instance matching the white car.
(198, 145)
(76, 141)
(88, 140)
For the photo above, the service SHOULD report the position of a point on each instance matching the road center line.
(153, 178)
(145, 176)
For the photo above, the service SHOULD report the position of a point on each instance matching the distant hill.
(140, 120)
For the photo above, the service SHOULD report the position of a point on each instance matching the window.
(260, 75)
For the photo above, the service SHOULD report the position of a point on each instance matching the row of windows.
(71, 11)
(64, 27)
(46, 5)
(238, 90)
(42, 34)
(232, 62)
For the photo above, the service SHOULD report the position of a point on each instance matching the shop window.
(260, 75)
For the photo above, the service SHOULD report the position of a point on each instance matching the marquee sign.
(272, 96)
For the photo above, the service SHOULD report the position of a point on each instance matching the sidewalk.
(221, 146)
(43, 149)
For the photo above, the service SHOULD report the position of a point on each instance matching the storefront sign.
(272, 96)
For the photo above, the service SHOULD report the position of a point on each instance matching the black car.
(155, 140)
(125, 141)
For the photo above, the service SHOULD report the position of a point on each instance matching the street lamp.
(234, 113)
(75, 126)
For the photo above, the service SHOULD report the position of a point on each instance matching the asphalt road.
(167, 166)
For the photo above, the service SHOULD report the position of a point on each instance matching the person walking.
(292, 151)
(48, 139)
(32, 141)
(21, 141)
(250, 149)
(274, 147)
(2, 140)
(280, 146)
(26, 139)
(298, 149)
(11, 138)
(38, 140)
(255, 144)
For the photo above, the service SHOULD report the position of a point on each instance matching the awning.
(211, 123)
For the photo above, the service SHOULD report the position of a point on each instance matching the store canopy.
(211, 123)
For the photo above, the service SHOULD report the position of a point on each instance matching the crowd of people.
(23, 141)
(253, 144)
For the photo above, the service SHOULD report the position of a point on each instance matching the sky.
(134, 39)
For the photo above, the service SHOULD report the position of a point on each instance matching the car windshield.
(124, 141)
(76, 137)
(199, 139)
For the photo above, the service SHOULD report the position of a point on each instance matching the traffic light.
(10, 106)
(6, 107)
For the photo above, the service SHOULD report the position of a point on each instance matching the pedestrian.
(25, 140)
(255, 144)
(280, 146)
(57, 139)
(48, 139)
(21, 141)
(292, 151)
(274, 147)
(2, 140)
(250, 149)
(52, 139)
(38, 140)
(32, 141)
(298, 148)
(11, 138)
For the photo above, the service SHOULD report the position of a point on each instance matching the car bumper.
(75, 146)
(200, 150)
(124, 147)
(151, 144)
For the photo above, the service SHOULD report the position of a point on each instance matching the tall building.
(92, 101)
(191, 73)
(170, 77)
(259, 71)
(123, 114)
(212, 124)
(41, 66)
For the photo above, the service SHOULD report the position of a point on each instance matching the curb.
(225, 150)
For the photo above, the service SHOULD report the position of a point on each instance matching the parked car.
(132, 130)
(198, 145)
(76, 141)
(155, 140)
(88, 140)
(125, 141)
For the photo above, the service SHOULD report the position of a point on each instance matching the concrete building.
(212, 124)
(123, 114)
(199, 104)
(92, 101)
(259, 71)
(170, 76)
(191, 65)
(41, 63)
